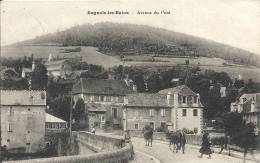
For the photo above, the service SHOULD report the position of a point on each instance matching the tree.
(239, 83)
(139, 82)
(39, 77)
(215, 104)
(154, 83)
(79, 109)
(80, 115)
(60, 107)
(241, 133)
(250, 86)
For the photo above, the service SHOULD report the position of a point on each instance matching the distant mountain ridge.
(125, 39)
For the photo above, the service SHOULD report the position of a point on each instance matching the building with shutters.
(23, 119)
(172, 109)
(106, 92)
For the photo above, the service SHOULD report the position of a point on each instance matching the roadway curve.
(161, 152)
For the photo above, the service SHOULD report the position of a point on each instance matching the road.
(162, 153)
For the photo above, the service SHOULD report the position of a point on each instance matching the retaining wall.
(111, 150)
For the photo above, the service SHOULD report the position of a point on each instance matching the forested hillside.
(124, 39)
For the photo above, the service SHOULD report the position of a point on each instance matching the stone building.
(187, 110)
(96, 115)
(109, 93)
(142, 109)
(23, 119)
(172, 109)
(59, 68)
(249, 106)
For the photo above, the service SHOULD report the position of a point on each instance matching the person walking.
(182, 141)
(127, 139)
(205, 146)
(93, 130)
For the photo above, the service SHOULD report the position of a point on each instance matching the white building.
(187, 110)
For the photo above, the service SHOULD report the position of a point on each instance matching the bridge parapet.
(110, 150)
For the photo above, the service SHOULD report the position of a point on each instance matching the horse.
(148, 136)
(177, 140)
(221, 141)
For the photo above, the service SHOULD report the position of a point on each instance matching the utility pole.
(70, 115)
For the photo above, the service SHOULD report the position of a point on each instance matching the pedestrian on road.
(93, 130)
(182, 141)
(127, 139)
(205, 146)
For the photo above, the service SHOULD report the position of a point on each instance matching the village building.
(54, 124)
(27, 72)
(186, 108)
(107, 92)
(59, 68)
(23, 119)
(245, 103)
(143, 109)
(170, 109)
(249, 106)
(96, 115)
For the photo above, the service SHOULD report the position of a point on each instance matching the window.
(184, 99)
(151, 112)
(136, 113)
(195, 99)
(136, 126)
(114, 112)
(10, 127)
(11, 112)
(42, 96)
(162, 112)
(195, 130)
(152, 125)
(102, 98)
(184, 112)
(121, 99)
(96, 98)
(108, 98)
(195, 112)
(163, 125)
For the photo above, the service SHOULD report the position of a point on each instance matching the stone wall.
(110, 150)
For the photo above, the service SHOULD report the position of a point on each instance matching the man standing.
(183, 141)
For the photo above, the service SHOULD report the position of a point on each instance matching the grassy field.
(92, 56)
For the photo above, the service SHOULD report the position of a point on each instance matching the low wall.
(111, 150)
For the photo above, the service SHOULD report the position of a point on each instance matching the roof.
(182, 90)
(54, 65)
(93, 107)
(27, 69)
(51, 118)
(22, 97)
(147, 100)
(100, 86)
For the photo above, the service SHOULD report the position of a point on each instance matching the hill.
(125, 39)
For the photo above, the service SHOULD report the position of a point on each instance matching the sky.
(232, 22)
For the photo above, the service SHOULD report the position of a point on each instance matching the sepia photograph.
(140, 81)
